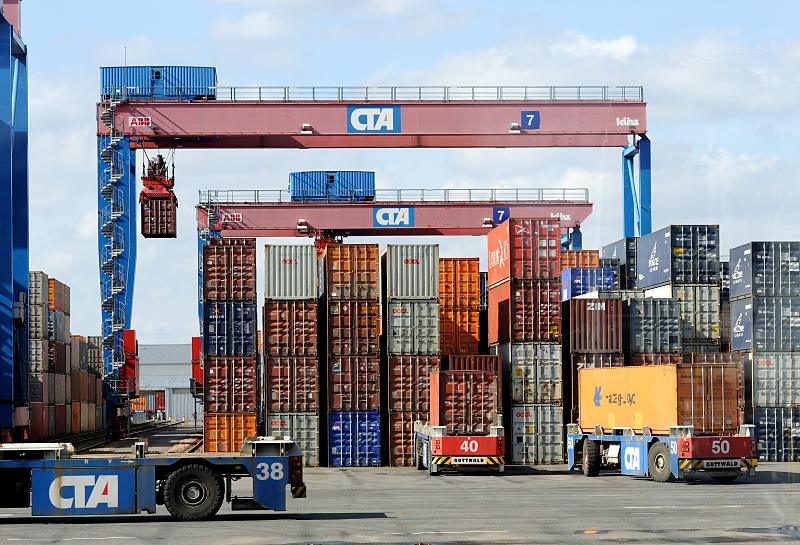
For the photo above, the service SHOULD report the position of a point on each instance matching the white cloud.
(579, 45)
(258, 25)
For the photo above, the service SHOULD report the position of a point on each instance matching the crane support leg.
(637, 217)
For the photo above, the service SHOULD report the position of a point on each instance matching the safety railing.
(436, 93)
(270, 196)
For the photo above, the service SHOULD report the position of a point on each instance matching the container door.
(157, 82)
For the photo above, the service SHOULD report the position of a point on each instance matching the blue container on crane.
(338, 185)
(166, 82)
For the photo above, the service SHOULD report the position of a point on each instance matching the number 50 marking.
(266, 472)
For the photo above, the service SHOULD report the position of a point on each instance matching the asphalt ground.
(402, 505)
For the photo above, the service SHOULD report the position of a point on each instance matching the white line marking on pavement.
(70, 538)
(683, 507)
(444, 532)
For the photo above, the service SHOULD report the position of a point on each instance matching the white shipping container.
(412, 327)
(534, 371)
(38, 321)
(774, 377)
(302, 428)
(410, 272)
(38, 289)
(537, 434)
(58, 327)
(38, 356)
(290, 271)
(699, 311)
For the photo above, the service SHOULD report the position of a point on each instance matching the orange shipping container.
(58, 296)
(76, 416)
(580, 258)
(352, 271)
(708, 396)
(226, 432)
(526, 249)
(458, 330)
(459, 282)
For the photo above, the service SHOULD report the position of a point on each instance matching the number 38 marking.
(266, 472)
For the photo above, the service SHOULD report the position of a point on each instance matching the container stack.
(291, 359)
(40, 394)
(410, 286)
(352, 324)
(466, 399)
(524, 300)
(725, 306)
(623, 250)
(483, 313)
(229, 336)
(577, 281)
(765, 327)
(83, 389)
(682, 262)
(59, 346)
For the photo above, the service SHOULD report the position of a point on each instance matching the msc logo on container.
(102, 489)
(393, 217)
(373, 119)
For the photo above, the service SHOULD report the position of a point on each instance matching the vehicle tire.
(591, 458)
(722, 479)
(418, 458)
(193, 492)
(658, 462)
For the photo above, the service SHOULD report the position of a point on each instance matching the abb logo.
(231, 217)
(411, 262)
(140, 121)
(102, 489)
(289, 261)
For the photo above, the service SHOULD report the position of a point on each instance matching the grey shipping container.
(700, 311)
(625, 251)
(38, 321)
(38, 356)
(58, 327)
(774, 379)
(533, 371)
(777, 434)
(769, 324)
(412, 327)
(303, 428)
(625, 295)
(537, 434)
(765, 268)
(724, 281)
(725, 326)
(290, 271)
(38, 289)
(651, 325)
(410, 272)
(678, 254)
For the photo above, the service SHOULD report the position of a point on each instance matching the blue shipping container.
(229, 328)
(338, 185)
(765, 268)
(678, 254)
(777, 434)
(625, 251)
(766, 324)
(164, 82)
(354, 438)
(580, 280)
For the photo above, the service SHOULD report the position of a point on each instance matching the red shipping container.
(59, 357)
(459, 330)
(58, 296)
(84, 377)
(401, 437)
(527, 249)
(197, 361)
(353, 328)
(465, 402)
(410, 382)
(595, 325)
(129, 372)
(75, 385)
(290, 328)
(654, 359)
(230, 384)
(159, 214)
(61, 419)
(714, 357)
(92, 389)
(580, 258)
(38, 421)
(487, 364)
(352, 271)
(525, 311)
(160, 400)
(354, 383)
(229, 269)
(292, 385)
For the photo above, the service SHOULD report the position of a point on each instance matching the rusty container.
(401, 436)
(353, 328)
(459, 282)
(354, 383)
(230, 384)
(410, 382)
(292, 385)
(229, 269)
(708, 396)
(465, 402)
(528, 249)
(594, 325)
(290, 328)
(525, 311)
(487, 363)
(654, 359)
(571, 259)
(459, 330)
(226, 432)
(352, 271)
(58, 296)
(159, 214)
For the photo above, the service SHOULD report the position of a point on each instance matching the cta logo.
(101, 489)
(373, 119)
(393, 217)
(652, 263)
(633, 459)
(627, 122)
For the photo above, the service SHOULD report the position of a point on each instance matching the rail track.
(84, 442)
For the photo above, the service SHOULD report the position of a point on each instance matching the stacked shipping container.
(524, 300)
(412, 329)
(229, 327)
(765, 328)
(291, 359)
(625, 252)
(352, 357)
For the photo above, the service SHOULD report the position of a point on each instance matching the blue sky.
(722, 80)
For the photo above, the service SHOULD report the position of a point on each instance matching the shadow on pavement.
(224, 517)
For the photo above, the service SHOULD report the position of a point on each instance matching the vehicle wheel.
(418, 458)
(193, 492)
(591, 458)
(658, 462)
(724, 478)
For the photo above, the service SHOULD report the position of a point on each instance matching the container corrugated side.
(533, 371)
(226, 432)
(625, 251)
(777, 434)
(465, 402)
(302, 428)
(409, 382)
(412, 327)
(699, 311)
(651, 325)
(292, 384)
(537, 434)
(352, 271)
(459, 282)
(290, 272)
(290, 328)
(354, 439)
(353, 328)
(459, 330)
(186, 82)
(774, 378)
(410, 272)
(229, 269)
(577, 281)
(579, 258)
(765, 268)
(230, 328)
(678, 254)
(401, 437)
(338, 185)
(595, 325)
(528, 249)
(525, 311)
(38, 288)
(766, 324)
(354, 383)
